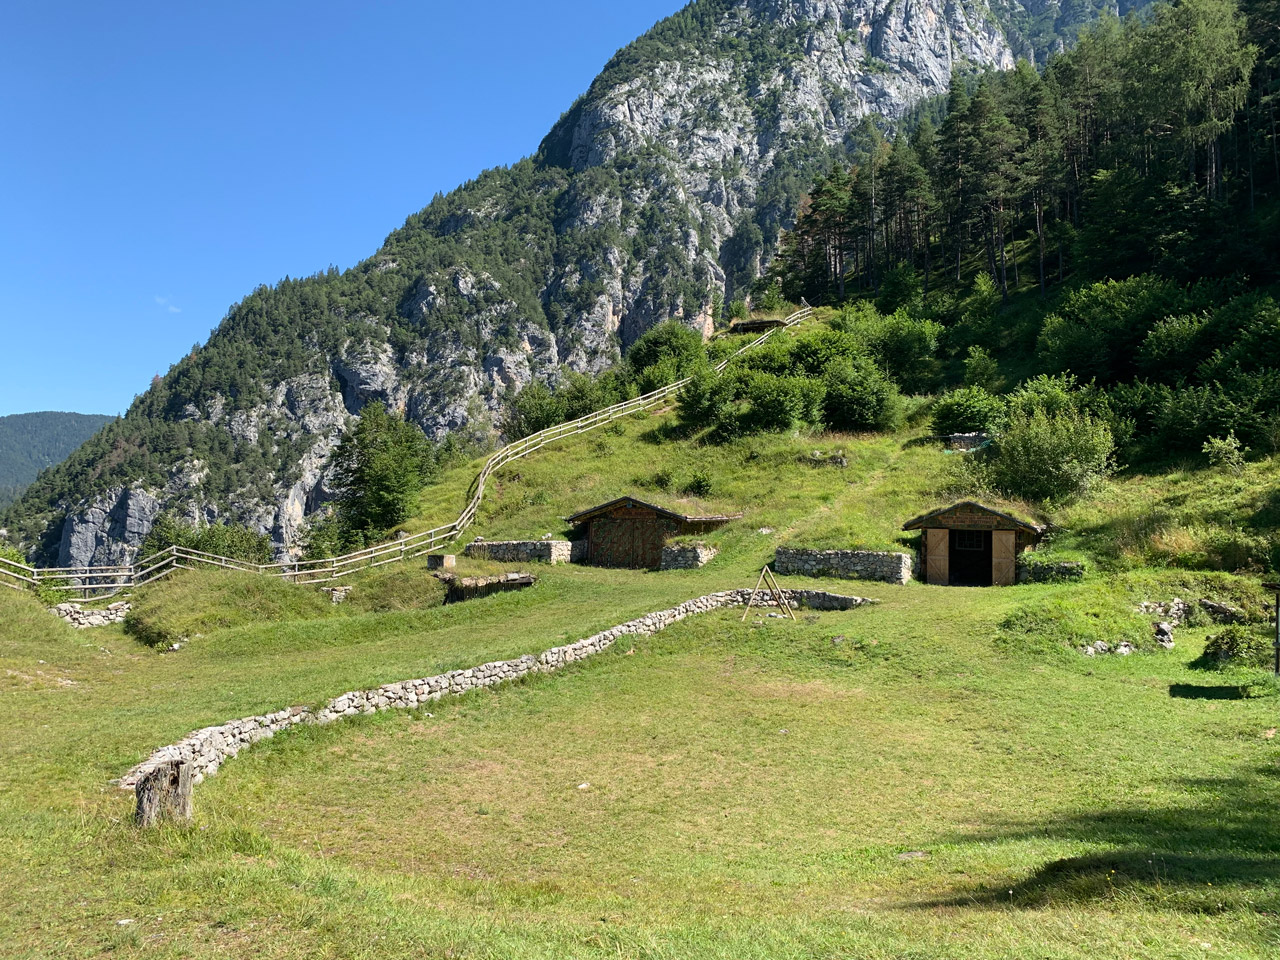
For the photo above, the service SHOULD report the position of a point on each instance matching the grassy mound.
(198, 602)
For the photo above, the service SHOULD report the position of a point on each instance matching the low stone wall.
(206, 750)
(472, 588)
(522, 551)
(84, 619)
(851, 564)
(687, 556)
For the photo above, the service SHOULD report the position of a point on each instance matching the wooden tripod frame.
(769, 582)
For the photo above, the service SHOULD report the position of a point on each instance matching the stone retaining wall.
(1033, 570)
(687, 556)
(852, 564)
(82, 619)
(522, 551)
(206, 750)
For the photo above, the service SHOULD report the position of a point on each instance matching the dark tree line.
(1152, 145)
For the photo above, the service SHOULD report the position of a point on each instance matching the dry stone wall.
(83, 619)
(208, 749)
(852, 564)
(522, 551)
(687, 556)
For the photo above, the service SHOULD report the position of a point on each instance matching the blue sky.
(159, 161)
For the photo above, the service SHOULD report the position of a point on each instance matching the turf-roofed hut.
(972, 545)
(631, 533)
(756, 326)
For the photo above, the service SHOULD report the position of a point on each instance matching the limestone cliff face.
(659, 194)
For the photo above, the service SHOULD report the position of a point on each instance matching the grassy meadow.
(942, 775)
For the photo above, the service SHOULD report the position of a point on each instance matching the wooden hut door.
(1004, 557)
(938, 554)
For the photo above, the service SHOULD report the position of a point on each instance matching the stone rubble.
(209, 748)
(687, 556)
(82, 619)
(1175, 612)
(1223, 613)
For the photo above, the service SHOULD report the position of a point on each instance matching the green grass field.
(939, 776)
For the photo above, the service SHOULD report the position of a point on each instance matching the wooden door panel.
(1004, 558)
(938, 552)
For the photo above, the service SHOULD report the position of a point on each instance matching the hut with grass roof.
(631, 533)
(969, 544)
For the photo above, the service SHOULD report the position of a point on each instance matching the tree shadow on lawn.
(1267, 517)
(1199, 691)
(1217, 853)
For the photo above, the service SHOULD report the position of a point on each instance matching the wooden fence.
(99, 582)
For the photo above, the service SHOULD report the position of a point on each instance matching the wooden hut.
(756, 326)
(971, 545)
(630, 533)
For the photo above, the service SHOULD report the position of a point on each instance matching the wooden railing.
(100, 582)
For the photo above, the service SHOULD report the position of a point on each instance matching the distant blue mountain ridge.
(30, 442)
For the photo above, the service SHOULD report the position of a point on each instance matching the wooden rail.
(89, 583)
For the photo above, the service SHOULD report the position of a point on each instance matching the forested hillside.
(660, 195)
(1115, 221)
(30, 442)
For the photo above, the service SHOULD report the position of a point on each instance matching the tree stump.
(164, 795)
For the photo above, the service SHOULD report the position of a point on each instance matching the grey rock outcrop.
(109, 530)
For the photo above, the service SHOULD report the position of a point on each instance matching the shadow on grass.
(1219, 851)
(1198, 691)
(1267, 516)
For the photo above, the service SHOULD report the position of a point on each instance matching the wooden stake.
(754, 593)
(164, 795)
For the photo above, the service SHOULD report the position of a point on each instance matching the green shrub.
(1099, 330)
(860, 398)
(899, 288)
(533, 409)
(772, 300)
(1049, 395)
(1240, 646)
(380, 467)
(1226, 452)
(981, 370)
(658, 375)
(904, 346)
(1047, 457)
(967, 410)
(707, 398)
(699, 484)
(672, 342)
(223, 540)
(782, 403)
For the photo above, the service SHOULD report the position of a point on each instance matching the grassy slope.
(751, 788)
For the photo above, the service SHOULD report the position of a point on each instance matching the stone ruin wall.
(851, 564)
(526, 551)
(82, 619)
(687, 556)
(206, 750)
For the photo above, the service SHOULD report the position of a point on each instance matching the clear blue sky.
(160, 160)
